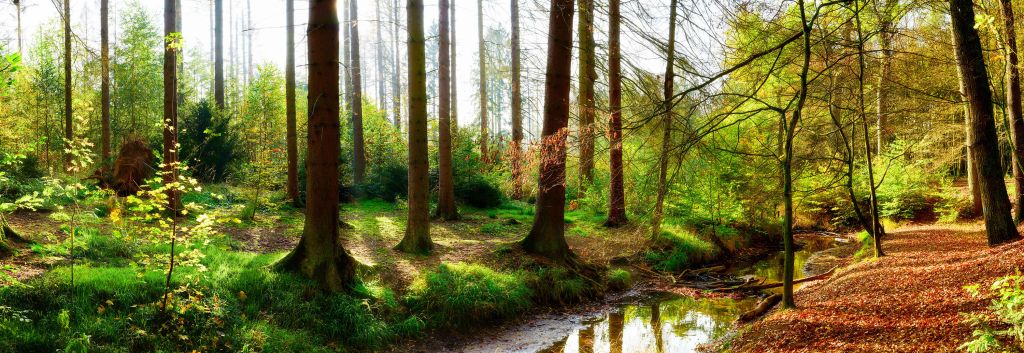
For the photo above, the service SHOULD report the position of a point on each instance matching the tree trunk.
(69, 130)
(666, 122)
(346, 57)
(446, 209)
(455, 94)
(517, 108)
(547, 236)
(1013, 107)
(104, 85)
(588, 76)
(249, 73)
(483, 82)
(319, 254)
(396, 88)
(17, 10)
(179, 97)
(289, 92)
(884, 69)
(876, 231)
(170, 121)
(358, 147)
(985, 147)
(616, 194)
(417, 231)
(381, 96)
(218, 66)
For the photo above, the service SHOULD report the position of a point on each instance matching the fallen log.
(763, 307)
(746, 287)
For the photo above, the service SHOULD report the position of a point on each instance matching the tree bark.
(588, 76)
(320, 255)
(616, 194)
(417, 231)
(517, 108)
(170, 121)
(446, 209)
(483, 82)
(358, 146)
(876, 231)
(985, 149)
(381, 95)
(104, 85)
(218, 66)
(547, 236)
(289, 91)
(455, 92)
(666, 122)
(69, 130)
(1013, 107)
(396, 87)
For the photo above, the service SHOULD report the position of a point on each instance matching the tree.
(319, 255)
(289, 92)
(68, 113)
(517, 108)
(617, 194)
(666, 139)
(379, 58)
(17, 11)
(585, 100)
(172, 43)
(454, 80)
(483, 81)
(104, 85)
(876, 229)
(446, 209)
(396, 87)
(547, 235)
(417, 230)
(356, 105)
(1013, 107)
(886, 33)
(970, 58)
(218, 65)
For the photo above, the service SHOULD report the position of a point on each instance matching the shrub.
(1000, 329)
(460, 294)
(208, 144)
(388, 182)
(619, 279)
(685, 249)
(558, 285)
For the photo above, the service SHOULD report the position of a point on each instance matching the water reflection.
(770, 268)
(675, 324)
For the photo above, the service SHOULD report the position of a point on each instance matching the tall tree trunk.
(886, 33)
(289, 93)
(666, 122)
(358, 147)
(69, 130)
(985, 147)
(179, 97)
(877, 232)
(446, 187)
(588, 75)
(616, 194)
(319, 254)
(517, 108)
(381, 97)
(417, 230)
(483, 81)
(396, 87)
(346, 57)
(218, 66)
(17, 10)
(249, 71)
(455, 92)
(170, 121)
(547, 236)
(104, 85)
(1013, 107)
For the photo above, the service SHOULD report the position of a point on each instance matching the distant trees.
(483, 81)
(417, 230)
(218, 65)
(356, 96)
(446, 185)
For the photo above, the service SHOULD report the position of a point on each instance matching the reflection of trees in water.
(615, 322)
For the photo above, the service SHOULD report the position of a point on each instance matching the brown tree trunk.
(877, 231)
(588, 76)
(289, 91)
(455, 92)
(417, 230)
(446, 209)
(381, 95)
(483, 82)
(346, 57)
(319, 254)
(358, 147)
(547, 236)
(616, 194)
(1013, 107)
(69, 130)
(517, 108)
(170, 121)
(218, 65)
(104, 85)
(396, 88)
(666, 139)
(985, 148)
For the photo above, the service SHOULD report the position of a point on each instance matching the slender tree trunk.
(666, 139)
(483, 81)
(885, 36)
(876, 225)
(319, 254)
(358, 147)
(289, 92)
(985, 148)
(547, 236)
(517, 108)
(170, 121)
(1013, 107)
(218, 65)
(396, 87)
(455, 92)
(346, 55)
(104, 85)
(249, 72)
(381, 96)
(69, 132)
(588, 76)
(617, 194)
(179, 97)
(17, 10)
(446, 209)
(417, 231)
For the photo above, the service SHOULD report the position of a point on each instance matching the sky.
(697, 35)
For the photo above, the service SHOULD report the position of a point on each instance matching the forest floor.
(907, 301)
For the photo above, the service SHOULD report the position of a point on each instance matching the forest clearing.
(614, 176)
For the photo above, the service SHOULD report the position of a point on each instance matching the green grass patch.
(684, 249)
(619, 279)
(456, 295)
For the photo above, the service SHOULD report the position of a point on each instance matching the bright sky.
(268, 28)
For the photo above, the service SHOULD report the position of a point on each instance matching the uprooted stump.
(131, 169)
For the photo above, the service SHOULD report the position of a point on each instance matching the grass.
(684, 249)
(619, 279)
(455, 295)
(867, 246)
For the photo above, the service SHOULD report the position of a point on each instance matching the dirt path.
(908, 301)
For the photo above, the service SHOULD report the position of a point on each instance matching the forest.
(557, 176)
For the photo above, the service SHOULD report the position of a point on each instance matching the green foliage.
(557, 285)
(208, 145)
(460, 294)
(1001, 328)
(684, 249)
(136, 93)
(619, 279)
(867, 246)
(388, 182)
